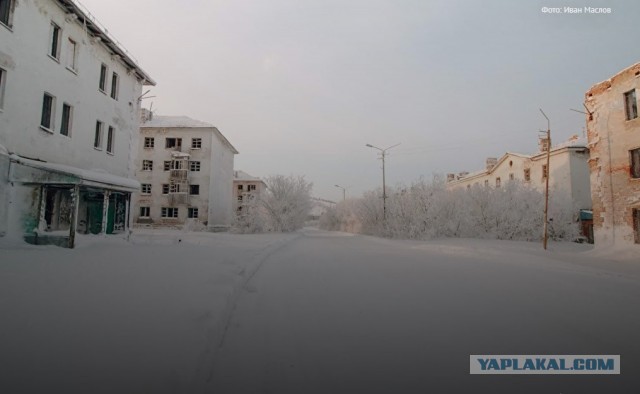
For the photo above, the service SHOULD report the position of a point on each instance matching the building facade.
(568, 176)
(185, 168)
(69, 117)
(246, 188)
(613, 131)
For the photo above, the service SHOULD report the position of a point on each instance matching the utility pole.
(546, 193)
(384, 185)
(344, 191)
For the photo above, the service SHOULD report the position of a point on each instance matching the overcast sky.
(300, 86)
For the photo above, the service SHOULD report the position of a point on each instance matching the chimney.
(451, 177)
(491, 162)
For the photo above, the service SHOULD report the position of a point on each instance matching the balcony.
(182, 174)
(178, 198)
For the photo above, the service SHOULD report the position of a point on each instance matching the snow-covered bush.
(283, 207)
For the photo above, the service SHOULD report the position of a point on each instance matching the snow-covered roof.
(239, 175)
(184, 122)
(93, 27)
(175, 122)
(92, 176)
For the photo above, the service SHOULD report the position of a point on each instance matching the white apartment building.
(568, 177)
(69, 117)
(246, 187)
(185, 168)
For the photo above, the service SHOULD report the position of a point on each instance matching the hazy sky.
(300, 86)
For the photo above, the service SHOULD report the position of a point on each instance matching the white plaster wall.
(31, 72)
(580, 179)
(220, 191)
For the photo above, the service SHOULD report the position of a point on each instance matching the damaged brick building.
(613, 131)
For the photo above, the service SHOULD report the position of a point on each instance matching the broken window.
(46, 120)
(146, 188)
(3, 78)
(498, 182)
(97, 141)
(65, 126)
(636, 224)
(169, 212)
(6, 8)
(193, 213)
(54, 49)
(630, 105)
(72, 54)
(167, 165)
(115, 86)
(486, 183)
(145, 212)
(149, 142)
(196, 143)
(635, 163)
(194, 166)
(102, 85)
(527, 174)
(165, 188)
(110, 139)
(194, 189)
(147, 165)
(252, 188)
(239, 187)
(173, 143)
(174, 188)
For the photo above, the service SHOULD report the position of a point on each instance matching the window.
(251, 187)
(544, 171)
(169, 212)
(498, 182)
(193, 213)
(115, 86)
(54, 48)
(72, 54)
(111, 134)
(630, 105)
(167, 165)
(48, 103)
(194, 166)
(3, 79)
(174, 188)
(511, 177)
(103, 78)
(635, 163)
(97, 141)
(178, 164)
(636, 224)
(65, 125)
(145, 212)
(173, 143)
(194, 189)
(165, 188)
(6, 12)
(239, 187)
(146, 188)
(147, 165)
(196, 143)
(149, 142)
(527, 174)
(486, 183)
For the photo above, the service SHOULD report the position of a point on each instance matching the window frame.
(151, 145)
(147, 165)
(634, 163)
(630, 107)
(169, 213)
(177, 143)
(527, 174)
(166, 188)
(102, 82)
(194, 166)
(143, 210)
(193, 188)
(111, 136)
(51, 112)
(196, 143)
(98, 136)
(145, 188)
(72, 55)
(192, 213)
(55, 35)
(66, 122)
(8, 23)
(115, 85)
(3, 83)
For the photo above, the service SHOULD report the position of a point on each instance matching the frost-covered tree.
(283, 207)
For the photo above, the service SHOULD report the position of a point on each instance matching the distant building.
(69, 117)
(245, 188)
(613, 130)
(569, 175)
(185, 168)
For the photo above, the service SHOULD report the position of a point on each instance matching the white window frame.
(102, 81)
(196, 143)
(166, 188)
(10, 4)
(147, 165)
(98, 137)
(192, 213)
(145, 212)
(149, 142)
(169, 213)
(145, 188)
(115, 85)
(72, 55)
(52, 111)
(194, 166)
(69, 121)
(55, 35)
(111, 139)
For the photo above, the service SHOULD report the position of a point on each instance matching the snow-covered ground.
(152, 315)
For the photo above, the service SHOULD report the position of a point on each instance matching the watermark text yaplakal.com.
(544, 364)
(577, 10)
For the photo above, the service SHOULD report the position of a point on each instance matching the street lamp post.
(384, 186)
(546, 193)
(344, 191)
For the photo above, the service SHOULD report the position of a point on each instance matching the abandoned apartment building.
(246, 188)
(69, 117)
(613, 132)
(568, 176)
(185, 168)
